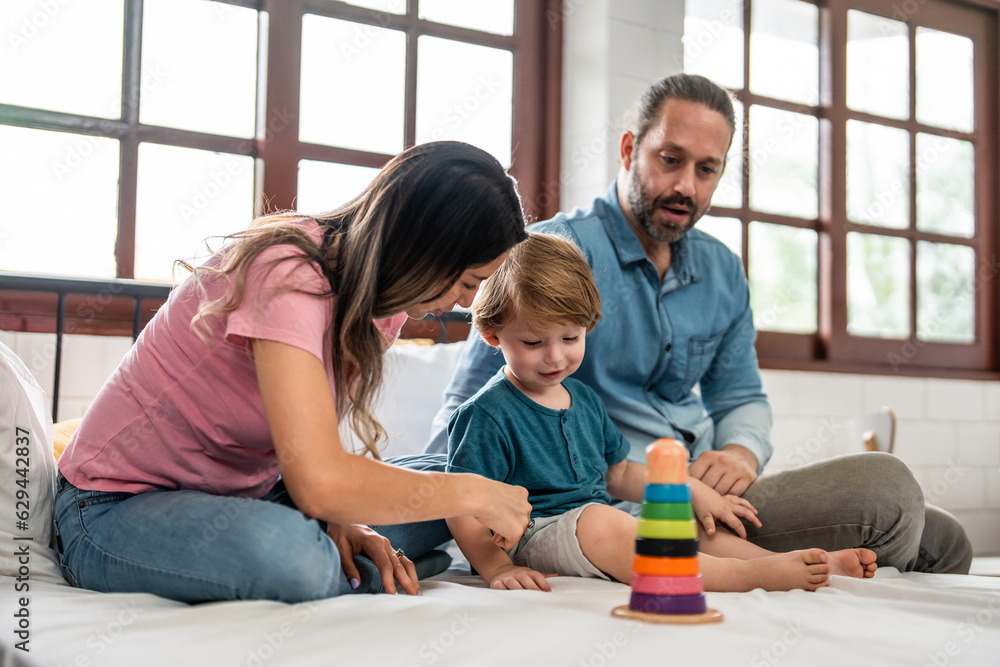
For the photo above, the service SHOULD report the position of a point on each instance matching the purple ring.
(668, 604)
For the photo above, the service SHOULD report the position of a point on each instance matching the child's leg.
(858, 563)
(724, 544)
(807, 569)
(607, 538)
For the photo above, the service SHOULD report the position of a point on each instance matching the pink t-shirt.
(183, 413)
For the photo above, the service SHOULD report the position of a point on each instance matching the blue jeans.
(193, 546)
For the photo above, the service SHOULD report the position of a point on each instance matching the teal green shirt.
(561, 456)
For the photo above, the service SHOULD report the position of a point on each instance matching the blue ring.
(667, 493)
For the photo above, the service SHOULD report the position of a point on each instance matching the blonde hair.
(545, 280)
(432, 212)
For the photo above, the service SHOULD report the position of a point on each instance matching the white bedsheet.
(894, 619)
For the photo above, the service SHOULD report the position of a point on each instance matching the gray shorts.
(550, 546)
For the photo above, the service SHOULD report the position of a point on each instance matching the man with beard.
(677, 315)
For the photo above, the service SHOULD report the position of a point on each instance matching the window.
(861, 193)
(124, 146)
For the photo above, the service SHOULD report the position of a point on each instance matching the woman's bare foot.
(807, 569)
(859, 563)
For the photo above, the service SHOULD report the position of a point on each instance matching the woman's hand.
(516, 578)
(353, 539)
(506, 511)
(709, 506)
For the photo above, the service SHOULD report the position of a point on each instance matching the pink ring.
(658, 585)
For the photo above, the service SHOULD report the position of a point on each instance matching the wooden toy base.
(710, 616)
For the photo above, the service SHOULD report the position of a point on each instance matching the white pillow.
(27, 479)
(412, 393)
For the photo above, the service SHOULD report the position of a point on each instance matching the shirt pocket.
(701, 352)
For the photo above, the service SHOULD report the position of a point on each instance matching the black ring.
(645, 546)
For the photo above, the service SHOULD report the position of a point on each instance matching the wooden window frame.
(831, 348)
(537, 73)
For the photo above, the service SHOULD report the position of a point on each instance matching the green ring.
(667, 511)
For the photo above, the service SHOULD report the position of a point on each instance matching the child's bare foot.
(807, 569)
(858, 563)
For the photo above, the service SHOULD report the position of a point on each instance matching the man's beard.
(644, 209)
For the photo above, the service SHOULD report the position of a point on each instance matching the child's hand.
(709, 506)
(515, 578)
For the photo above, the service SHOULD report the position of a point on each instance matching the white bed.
(893, 619)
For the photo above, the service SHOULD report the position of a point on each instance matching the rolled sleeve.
(732, 391)
(747, 425)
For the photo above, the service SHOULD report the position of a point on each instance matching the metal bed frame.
(137, 290)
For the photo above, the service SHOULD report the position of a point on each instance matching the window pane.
(730, 190)
(878, 65)
(784, 51)
(945, 293)
(944, 80)
(465, 93)
(727, 230)
(352, 85)
(713, 41)
(783, 278)
(390, 6)
(495, 16)
(62, 56)
(183, 197)
(783, 162)
(210, 83)
(878, 175)
(945, 186)
(60, 203)
(323, 186)
(878, 286)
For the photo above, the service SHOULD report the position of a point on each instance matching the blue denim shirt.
(656, 341)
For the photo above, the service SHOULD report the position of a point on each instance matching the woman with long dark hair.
(209, 467)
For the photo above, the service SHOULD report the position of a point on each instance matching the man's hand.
(729, 470)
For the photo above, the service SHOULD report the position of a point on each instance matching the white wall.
(613, 50)
(87, 362)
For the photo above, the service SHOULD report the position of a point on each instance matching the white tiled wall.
(947, 432)
(613, 49)
(87, 362)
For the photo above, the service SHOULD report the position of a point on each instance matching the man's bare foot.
(859, 563)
